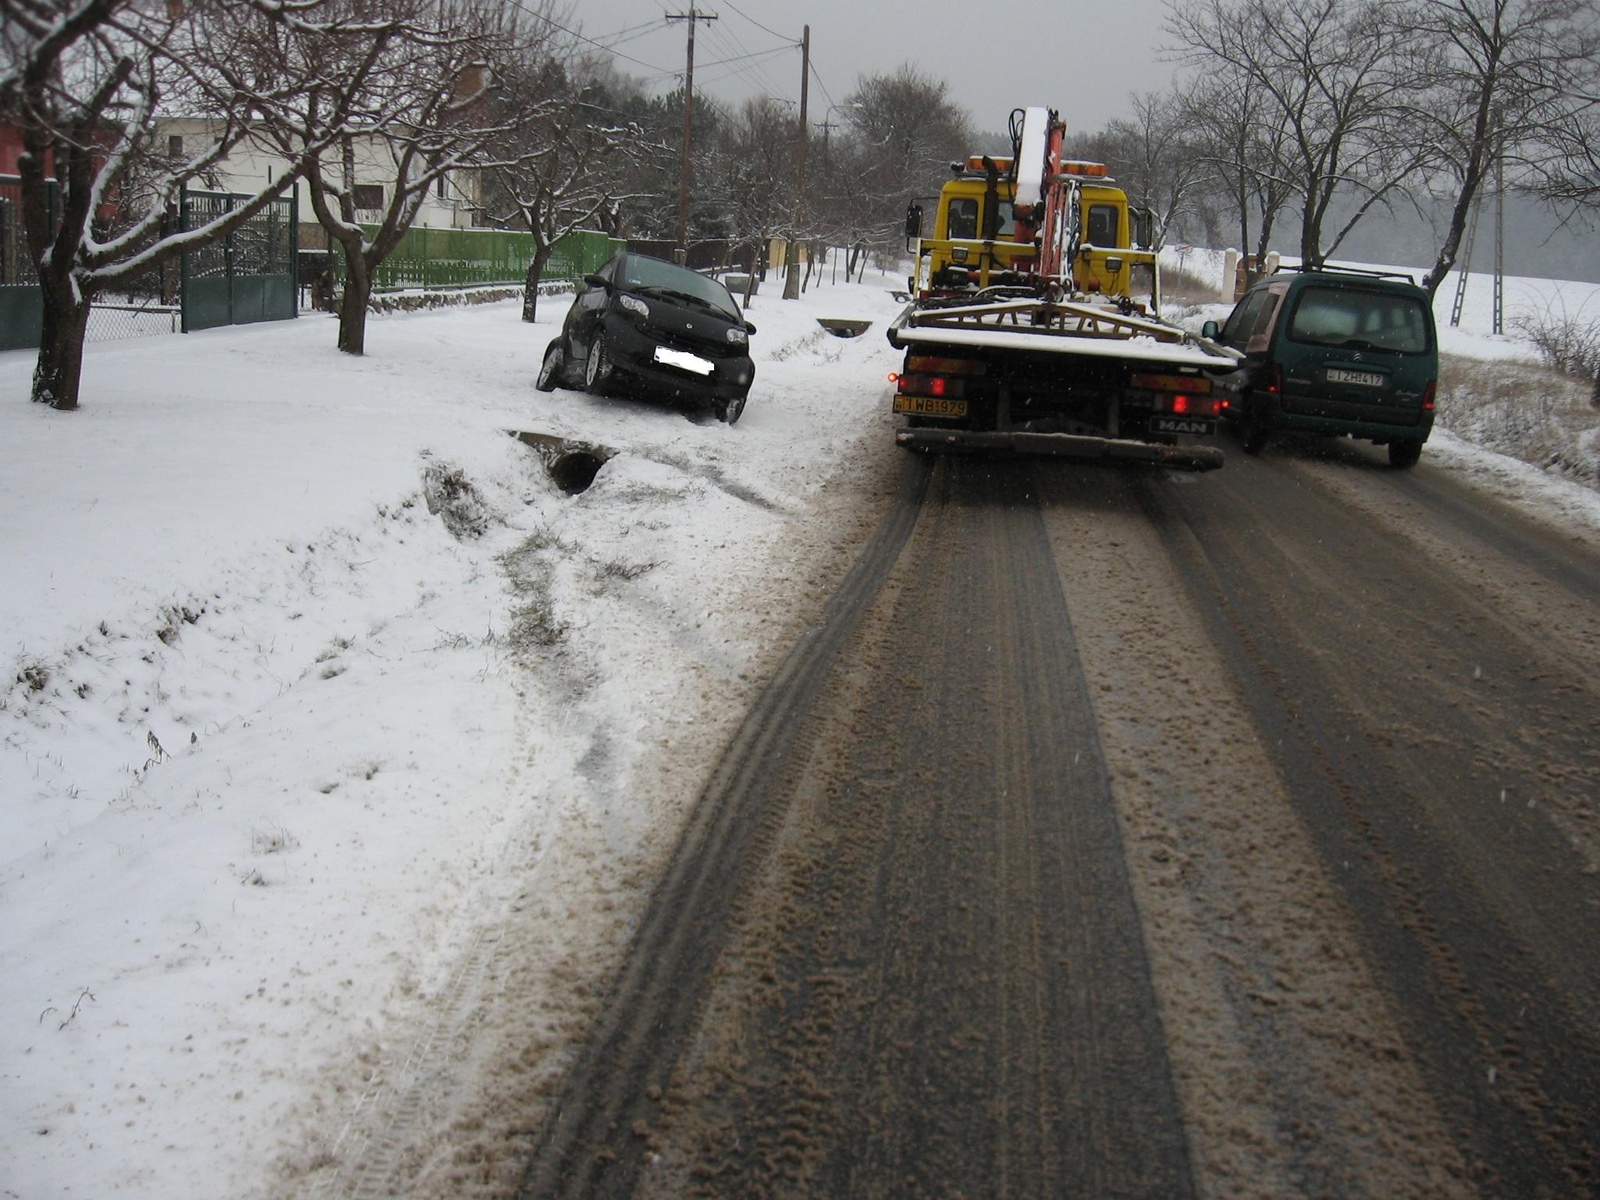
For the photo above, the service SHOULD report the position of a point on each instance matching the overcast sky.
(1083, 60)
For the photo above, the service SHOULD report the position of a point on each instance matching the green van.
(1333, 351)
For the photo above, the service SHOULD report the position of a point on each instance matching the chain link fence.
(111, 322)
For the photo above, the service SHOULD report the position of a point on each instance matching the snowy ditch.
(319, 682)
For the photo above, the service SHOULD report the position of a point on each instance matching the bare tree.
(1234, 139)
(414, 85)
(1559, 151)
(909, 132)
(756, 173)
(87, 83)
(561, 164)
(844, 210)
(1504, 82)
(1340, 77)
(1153, 158)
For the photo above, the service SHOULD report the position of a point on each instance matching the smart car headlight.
(636, 306)
(738, 337)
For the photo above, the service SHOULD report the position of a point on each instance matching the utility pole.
(1499, 224)
(688, 113)
(791, 282)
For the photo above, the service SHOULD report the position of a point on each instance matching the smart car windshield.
(651, 274)
(1360, 320)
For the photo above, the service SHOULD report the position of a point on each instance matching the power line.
(754, 73)
(573, 33)
(817, 75)
(791, 40)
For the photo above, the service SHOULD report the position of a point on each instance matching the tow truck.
(1033, 319)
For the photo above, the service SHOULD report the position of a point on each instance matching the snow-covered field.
(318, 690)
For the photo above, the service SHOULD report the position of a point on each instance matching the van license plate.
(1364, 378)
(1183, 425)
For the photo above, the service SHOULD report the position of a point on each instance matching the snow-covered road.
(338, 746)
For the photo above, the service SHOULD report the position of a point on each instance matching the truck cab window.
(1007, 224)
(963, 218)
(1102, 226)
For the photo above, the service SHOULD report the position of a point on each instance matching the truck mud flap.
(1062, 445)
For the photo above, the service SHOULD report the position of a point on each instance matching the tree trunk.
(353, 304)
(1232, 285)
(530, 287)
(59, 369)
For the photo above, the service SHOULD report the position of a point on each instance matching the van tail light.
(1274, 380)
(1428, 394)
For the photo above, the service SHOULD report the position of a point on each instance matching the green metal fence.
(248, 275)
(21, 301)
(452, 258)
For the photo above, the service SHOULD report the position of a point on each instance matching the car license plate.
(1363, 378)
(930, 406)
(1183, 425)
(684, 360)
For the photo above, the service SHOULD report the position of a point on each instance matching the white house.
(454, 202)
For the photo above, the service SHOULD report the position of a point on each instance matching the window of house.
(175, 145)
(442, 186)
(367, 195)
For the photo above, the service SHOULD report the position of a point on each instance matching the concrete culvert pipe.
(575, 471)
(571, 465)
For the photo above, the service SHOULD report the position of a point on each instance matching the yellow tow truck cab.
(976, 240)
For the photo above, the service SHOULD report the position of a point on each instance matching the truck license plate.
(930, 406)
(1364, 378)
(1183, 425)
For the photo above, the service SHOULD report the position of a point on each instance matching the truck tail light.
(1184, 405)
(930, 385)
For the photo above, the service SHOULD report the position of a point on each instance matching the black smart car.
(641, 325)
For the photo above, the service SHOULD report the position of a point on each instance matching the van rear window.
(1360, 320)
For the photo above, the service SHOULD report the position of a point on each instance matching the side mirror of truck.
(1210, 330)
(1144, 228)
(913, 221)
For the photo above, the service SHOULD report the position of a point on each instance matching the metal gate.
(248, 275)
(21, 300)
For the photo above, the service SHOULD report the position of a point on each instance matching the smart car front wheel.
(550, 369)
(728, 411)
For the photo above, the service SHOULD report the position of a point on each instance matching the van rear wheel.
(1252, 431)
(1404, 454)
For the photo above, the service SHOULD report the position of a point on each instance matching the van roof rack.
(1330, 269)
